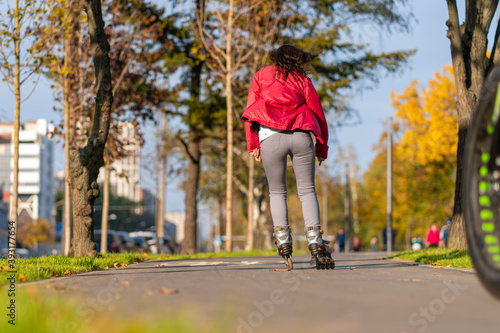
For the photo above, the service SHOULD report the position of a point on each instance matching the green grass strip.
(35, 269)
(438, 257)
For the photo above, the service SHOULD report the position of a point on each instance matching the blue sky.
(428, 36)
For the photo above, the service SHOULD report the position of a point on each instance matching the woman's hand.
(320, 160)
(256, 154)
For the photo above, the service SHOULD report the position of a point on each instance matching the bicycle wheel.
(481, 185)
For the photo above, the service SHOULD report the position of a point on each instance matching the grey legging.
(274, 151)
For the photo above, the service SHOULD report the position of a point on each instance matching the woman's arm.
(254, 92)
(314, 103)
(253, 95)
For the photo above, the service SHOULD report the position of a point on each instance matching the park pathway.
(365, 293)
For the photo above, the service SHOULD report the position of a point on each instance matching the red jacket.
(432, 237)
(285, 105)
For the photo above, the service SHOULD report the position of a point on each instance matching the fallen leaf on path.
(22, 278)
(125, 282)
(167, 291)
(68, 272)
(56, 287)
(120, 264)
(106, 267)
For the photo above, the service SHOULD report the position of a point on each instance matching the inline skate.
(284, 244)
(321, 253)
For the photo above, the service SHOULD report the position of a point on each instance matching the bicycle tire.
(481, 185)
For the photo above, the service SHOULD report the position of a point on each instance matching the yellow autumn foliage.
(428, 120)
(424, 162)
(34, 232)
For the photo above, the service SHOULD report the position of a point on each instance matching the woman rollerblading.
(283, 115)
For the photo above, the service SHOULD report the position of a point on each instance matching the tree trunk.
(229, 104)
(85, 162)
(468, 45)
(355, 216)
(160, 221)
(250, 230)
(211, 230)
(189, 245)
(105, 208)
(456, 237)
(66, 238)
(264, 226)
(258, 195)
(218, 224)
(17, 124)
(409, 231)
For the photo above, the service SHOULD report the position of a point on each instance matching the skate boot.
(284, 244)
(321, 253)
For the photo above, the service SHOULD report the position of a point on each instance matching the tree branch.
(240, 186)
(186, 148)
(458, 61)
(214, 54)
(238, 15)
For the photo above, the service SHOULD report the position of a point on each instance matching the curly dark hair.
(289, 59)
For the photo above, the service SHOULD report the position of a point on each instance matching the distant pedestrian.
(356, 243)
(373, 243)
(432, 239)
(384, 238)
(341, 240)
(443, 234)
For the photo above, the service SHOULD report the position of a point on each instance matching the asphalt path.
(364, 293)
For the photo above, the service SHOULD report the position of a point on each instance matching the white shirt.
(265, 132)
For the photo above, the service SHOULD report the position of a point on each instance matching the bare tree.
(17, 66)
(231, 38)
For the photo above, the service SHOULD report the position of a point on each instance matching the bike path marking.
(211, 263)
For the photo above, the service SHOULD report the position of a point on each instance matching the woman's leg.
(274, 151)
(303, 160)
